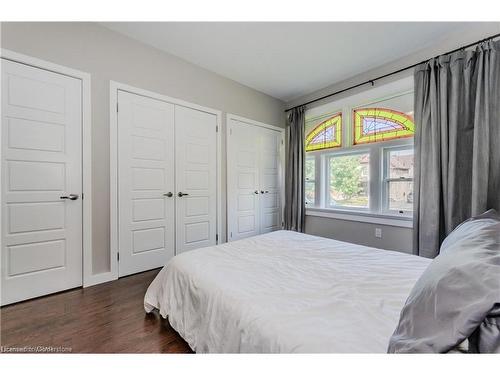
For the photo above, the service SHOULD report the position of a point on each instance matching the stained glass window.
(327, 134)
(381, 124)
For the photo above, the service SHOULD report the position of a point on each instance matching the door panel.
(253, 177)
(243, 180)
(269, 180)
(41, 162)
(145, 175)
(196, 176)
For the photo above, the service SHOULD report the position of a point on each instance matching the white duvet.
(285, 292)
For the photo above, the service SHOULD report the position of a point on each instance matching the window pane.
(310, 175)
(310, 193)
(401, 164)
(324, 133)
(384, 120)
(349, 181)
(310, 168)
(401, 195)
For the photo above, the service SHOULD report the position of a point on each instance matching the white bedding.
(285, 292)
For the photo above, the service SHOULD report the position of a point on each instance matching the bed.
(285, 292)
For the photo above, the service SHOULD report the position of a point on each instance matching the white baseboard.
(99, 279)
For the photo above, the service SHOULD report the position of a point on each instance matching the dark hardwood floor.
(106, 318)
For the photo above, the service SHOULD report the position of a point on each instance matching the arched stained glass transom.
(381, 124)
(327, 134)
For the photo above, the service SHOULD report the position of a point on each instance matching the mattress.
(285, 292)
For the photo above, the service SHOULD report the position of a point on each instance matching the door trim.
(114, 87)
(230, 116)
(88, 277)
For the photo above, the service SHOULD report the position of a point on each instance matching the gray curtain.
(294, 171)
(457, 142)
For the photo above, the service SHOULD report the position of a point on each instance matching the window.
(381, 124)
(310, 188)
(328, 134)
(399, 179)
(359, 156)
(348, 177)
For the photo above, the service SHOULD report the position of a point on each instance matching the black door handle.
(181, 194)
(72, 197)
(256, 192)
(169, 194)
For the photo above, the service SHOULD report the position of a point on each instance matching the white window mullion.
(317, 176)
(375, 179)
(385, 183)
(324, 180)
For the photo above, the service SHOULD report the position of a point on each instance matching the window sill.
(391, 220)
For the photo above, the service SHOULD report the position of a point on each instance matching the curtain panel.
(457, 142)
(294, 173)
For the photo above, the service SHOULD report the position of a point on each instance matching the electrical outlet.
(378, 232)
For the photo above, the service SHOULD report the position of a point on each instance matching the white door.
(196, 178)
(41, 168)
(145, 183)
(253, 179)
(269, 169)
(243, 180)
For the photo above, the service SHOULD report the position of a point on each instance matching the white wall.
(107, 55)
(393, 238)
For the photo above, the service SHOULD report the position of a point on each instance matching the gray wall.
(393, 238)
(107, 55)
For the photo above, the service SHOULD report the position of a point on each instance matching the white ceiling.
(287, 60)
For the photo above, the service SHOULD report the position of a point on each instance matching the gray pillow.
(486, 338)
(469, 227)
(455, 294)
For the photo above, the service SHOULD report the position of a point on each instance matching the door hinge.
(231, 234)
(83, 196)
(216, 128)
(281, 141)
(116, 107)
(216, 237)
(118, 257)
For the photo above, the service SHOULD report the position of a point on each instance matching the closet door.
(269, 177)
(41, 182)
(196, 178)
(243, 148)
(145, 183)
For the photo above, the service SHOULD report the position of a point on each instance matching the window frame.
(377, 211)
(315, 180)
(371, 106)
(386, 181)
(377, 172)
(326, 162)
(338, 134)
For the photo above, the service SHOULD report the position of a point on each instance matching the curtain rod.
(372, 81)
